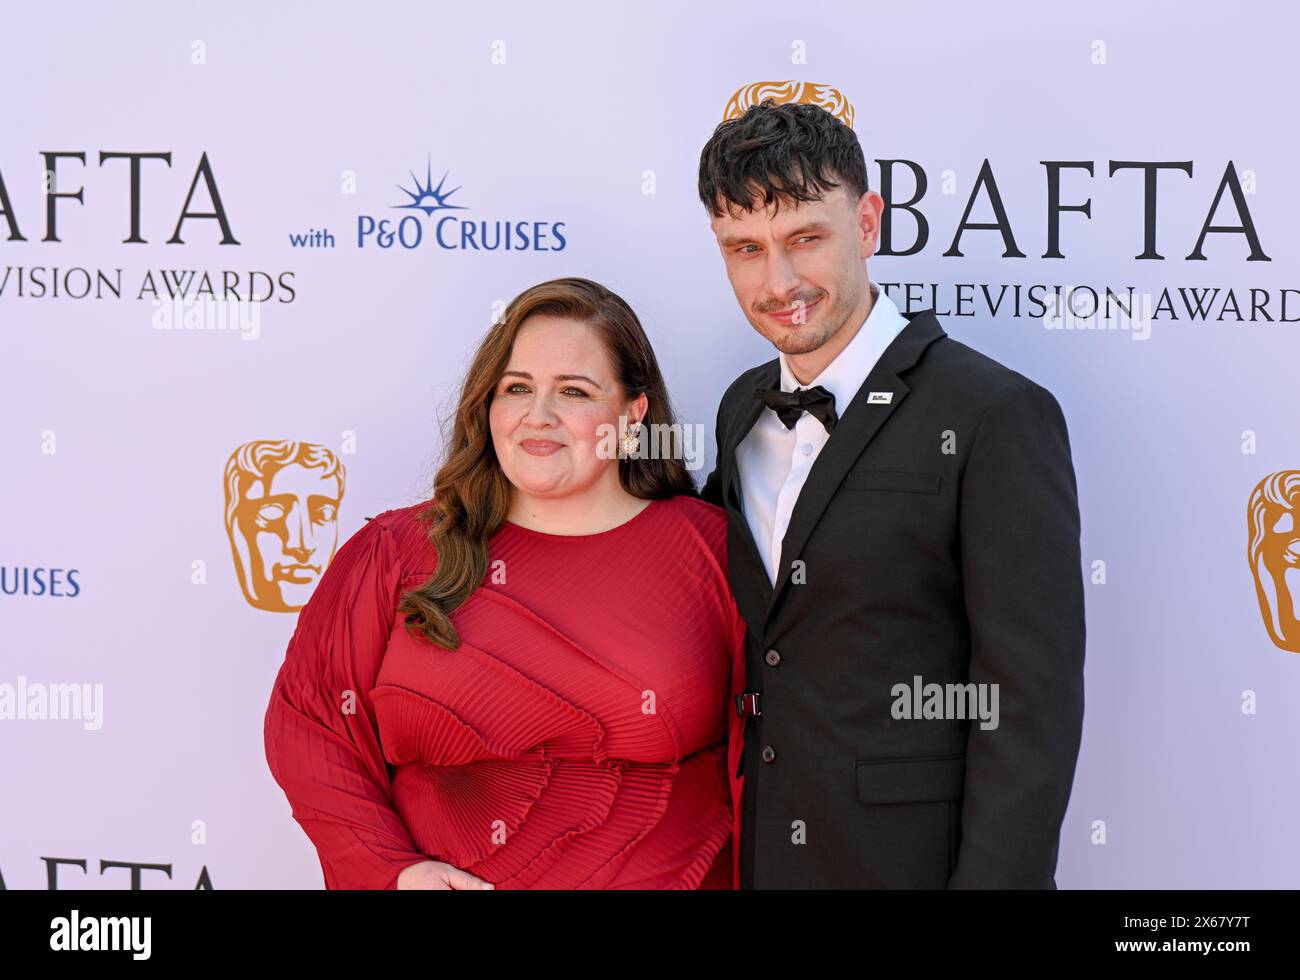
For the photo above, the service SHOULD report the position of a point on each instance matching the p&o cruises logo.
(454, 231)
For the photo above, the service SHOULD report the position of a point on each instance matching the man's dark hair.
(784, 152)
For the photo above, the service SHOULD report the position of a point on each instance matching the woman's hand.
(436, 876)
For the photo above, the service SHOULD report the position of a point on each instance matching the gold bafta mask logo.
(829, 98)
(282, 518)
(1275, 555)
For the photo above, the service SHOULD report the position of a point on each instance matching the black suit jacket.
(937, 536)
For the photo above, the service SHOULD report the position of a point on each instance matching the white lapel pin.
(880, 397)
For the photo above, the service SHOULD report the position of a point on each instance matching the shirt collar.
(843, 376)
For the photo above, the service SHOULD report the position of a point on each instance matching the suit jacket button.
(772, 657)
(769, 753)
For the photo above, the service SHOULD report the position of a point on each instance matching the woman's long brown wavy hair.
(471, 495)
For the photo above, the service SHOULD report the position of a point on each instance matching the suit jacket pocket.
(919, 780)
(892, 480)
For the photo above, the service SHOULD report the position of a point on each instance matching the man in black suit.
(903, 545)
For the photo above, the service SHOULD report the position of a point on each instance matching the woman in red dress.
(529, 680)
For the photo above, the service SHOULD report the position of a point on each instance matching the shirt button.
(769, 753)
(772, 657)
(807, 448)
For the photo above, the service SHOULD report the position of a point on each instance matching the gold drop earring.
(630, 443)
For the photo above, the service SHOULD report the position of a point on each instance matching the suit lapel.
(743, 418)
(856, 427)
(754, 603)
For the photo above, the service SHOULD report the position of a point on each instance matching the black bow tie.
(789, 405)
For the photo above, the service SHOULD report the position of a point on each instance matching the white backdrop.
(311, 117)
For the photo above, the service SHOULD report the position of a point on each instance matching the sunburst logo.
(452, 232)
(428, 198)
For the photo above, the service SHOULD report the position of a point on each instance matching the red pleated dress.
(583, 735)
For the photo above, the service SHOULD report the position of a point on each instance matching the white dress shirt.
(773, 461)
